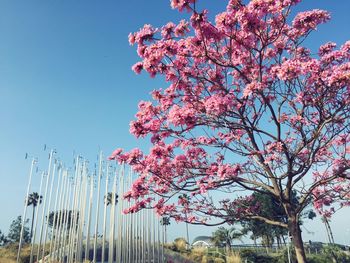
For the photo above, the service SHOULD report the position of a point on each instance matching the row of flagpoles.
(73, 223)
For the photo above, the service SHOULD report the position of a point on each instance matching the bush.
(317, 259)
(180, 244)
(219, 260)
(282, 257)
(197, 254)
(334, 253)
(253, 257)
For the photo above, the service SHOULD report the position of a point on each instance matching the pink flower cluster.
(306, 21)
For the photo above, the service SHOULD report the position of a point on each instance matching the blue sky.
(65, 81)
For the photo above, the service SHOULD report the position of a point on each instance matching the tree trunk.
(284, 240)
(228, 247)
(254, 238)
(295, 232)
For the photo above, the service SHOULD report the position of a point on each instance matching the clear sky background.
(66, 81)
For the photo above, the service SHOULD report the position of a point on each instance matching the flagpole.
(97, 206)
(104, 216)
(25, 209)
(48, 208)
(44, 205)
(77, 215)
(82, 212)
(72, 211)
(36, 220)
(54, 226)
(87, 245)
(120, 248)
(65, 232)
(60, 213)
(111, 221)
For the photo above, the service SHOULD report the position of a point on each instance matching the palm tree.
(224, 236)
(109, 198)
(165, 221)
(34, 199)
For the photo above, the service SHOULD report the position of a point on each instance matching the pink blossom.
(309, 20)
(115, 153)
(182, 4)
(137, 67)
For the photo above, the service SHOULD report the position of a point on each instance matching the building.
(203, 241)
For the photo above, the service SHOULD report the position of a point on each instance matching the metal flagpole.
(54, 226)
(44, 205)
(127, 228)
(158, 239)
(120, 246)
(71, 241)
(57, 242)
(77, 216)
(120, 217)
(104, 216)
(111, 221)
(130, 222)
(82, 213)
(139, 223)
(133, 244)
(72, 211)
(48, 208)
(148, 236)
(60, 212)
(163, 242)
(70, 216)
(119, 220)
(143, 236)
(154, 234)
(36, 220)
(87, 245)
(25, 210)
(137, 235)
(97, 206)
(65, 232)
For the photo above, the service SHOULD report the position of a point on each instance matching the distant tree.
(225, 236)
(109, 198)
(34, 199)
(3, 239)
(272, 209)
(15, 231)
(71, 216)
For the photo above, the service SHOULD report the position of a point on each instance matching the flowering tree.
(248, 107)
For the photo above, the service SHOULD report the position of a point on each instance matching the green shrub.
(334, 253)
(253, 257)
(282, 256)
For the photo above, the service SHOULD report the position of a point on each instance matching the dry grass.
(197, 254)
(234, 257)
(8, 254)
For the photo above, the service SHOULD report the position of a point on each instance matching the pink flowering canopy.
(247, 107)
